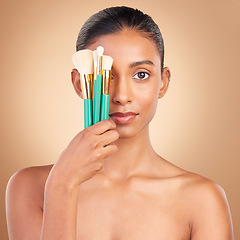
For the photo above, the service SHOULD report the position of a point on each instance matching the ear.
(165, 79)
(76, 82)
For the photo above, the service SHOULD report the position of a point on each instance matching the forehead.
(128, 46)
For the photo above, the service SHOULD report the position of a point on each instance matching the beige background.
(197, 123)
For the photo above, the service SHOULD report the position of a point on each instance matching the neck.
(134, 156)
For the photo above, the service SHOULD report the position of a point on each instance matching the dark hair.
(115, 19)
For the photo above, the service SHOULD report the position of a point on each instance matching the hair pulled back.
(114, 19)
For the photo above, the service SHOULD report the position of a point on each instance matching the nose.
(122, 93)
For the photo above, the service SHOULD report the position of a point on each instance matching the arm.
(212, 217)
(25, 216)
(23, 208)
(60, 211)
(81, 160)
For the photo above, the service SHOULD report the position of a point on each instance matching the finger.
(108, 137)
(101, 127)
(109, 150)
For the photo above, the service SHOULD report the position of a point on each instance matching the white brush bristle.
(107, 62)
(95, 55)
(100, 51)
(83, 61)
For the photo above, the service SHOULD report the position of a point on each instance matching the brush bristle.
(100, 51)
(83, 61)
(95, 55)
(107, 62)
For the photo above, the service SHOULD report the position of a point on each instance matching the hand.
(84, 156)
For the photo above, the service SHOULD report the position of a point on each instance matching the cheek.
(148, 101)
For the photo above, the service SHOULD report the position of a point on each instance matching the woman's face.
(136, 83)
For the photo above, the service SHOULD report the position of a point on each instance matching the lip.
(123, 117)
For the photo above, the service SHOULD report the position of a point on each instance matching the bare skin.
(124, 191)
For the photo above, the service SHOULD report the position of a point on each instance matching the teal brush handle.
(97, 98)
(105, 107)
(88, 120)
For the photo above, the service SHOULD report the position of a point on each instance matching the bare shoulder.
(203, 190)
(208, 208)
(24, 202)
(194, 185)
(29, 182)
(31, 175)
(199, 185)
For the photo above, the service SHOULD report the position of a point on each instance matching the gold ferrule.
(86, 85)
(106, 78)
(99, 65)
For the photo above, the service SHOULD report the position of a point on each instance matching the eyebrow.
(135, 64)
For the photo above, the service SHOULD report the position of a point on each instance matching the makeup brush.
(95, 64)
(94, 82)
(98, 86)
(106, 78)
(83, 61)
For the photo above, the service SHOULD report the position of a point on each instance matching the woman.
(109, 183)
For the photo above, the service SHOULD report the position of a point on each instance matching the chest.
(120, 214)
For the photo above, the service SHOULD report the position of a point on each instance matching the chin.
(130, 130)
(125, 132)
